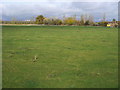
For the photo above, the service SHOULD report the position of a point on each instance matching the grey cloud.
(58, 9)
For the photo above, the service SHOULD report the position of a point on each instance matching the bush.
(87, 22)
(40, 19)
(70, 21)
(103, 23)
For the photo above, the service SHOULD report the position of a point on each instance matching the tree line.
(85, 19)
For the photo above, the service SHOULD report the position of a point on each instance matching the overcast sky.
(26, 9)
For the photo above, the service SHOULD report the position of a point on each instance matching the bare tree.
(64, 16)
(104, 17)
(91, 19)
(86, 17)
(74, 16)
(82, 19)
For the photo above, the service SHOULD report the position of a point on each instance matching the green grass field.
(68, 57)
